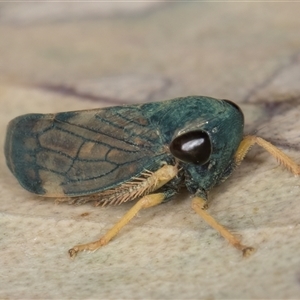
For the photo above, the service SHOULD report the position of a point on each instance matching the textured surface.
(86, 56)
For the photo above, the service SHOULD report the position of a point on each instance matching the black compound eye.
(192, 147)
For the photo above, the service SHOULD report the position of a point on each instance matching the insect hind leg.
(146, 202)
(162, 176)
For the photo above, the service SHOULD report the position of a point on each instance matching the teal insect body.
(82, 153)
(117, 154)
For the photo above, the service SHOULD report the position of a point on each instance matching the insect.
(146, 152)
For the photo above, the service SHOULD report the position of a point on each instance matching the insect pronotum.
(146, 152)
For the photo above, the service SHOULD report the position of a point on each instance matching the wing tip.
(18, 152)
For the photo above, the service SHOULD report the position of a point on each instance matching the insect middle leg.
(164, 175)
(200, 205)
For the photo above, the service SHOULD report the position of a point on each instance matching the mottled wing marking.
(80, 153)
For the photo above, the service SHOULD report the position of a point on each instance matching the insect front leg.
(200, 206)
(249, 140)
(162, 176)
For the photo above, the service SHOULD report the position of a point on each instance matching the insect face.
(205, 146)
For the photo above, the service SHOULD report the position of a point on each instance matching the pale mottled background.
(69, 56)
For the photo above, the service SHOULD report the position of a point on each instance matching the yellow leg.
(145, 202)
(199, 205)
(250, 140)
(157, 180)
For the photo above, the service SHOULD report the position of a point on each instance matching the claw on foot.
(248, 251)
(73, 252)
